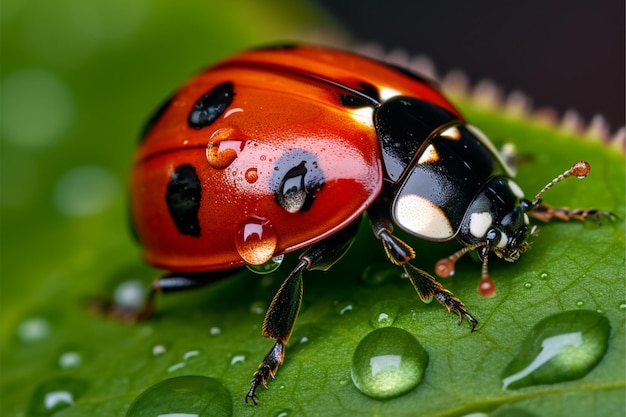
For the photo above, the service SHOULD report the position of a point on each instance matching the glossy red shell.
(285, 110)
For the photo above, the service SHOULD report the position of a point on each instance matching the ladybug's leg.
(173, 282)
(282, 312)
(545, 212)
(426, 286)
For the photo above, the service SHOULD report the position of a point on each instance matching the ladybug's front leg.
(425, 284)
(282, 312)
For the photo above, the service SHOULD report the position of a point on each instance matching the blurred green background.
(77, 81)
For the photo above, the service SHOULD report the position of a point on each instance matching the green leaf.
(64, 238)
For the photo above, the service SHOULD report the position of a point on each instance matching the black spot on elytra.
(211, 106)
(366, 95)
(155, 118)
(183, 195)
(296, 180)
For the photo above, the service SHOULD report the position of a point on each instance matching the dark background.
(562, 54)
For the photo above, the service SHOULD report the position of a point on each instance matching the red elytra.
(284, 111)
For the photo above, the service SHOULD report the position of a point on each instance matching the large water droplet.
(188, 396)
(561, 347)
(223, 149)
(56, 394)
(256, 240)
(388, 362)
(268, 267)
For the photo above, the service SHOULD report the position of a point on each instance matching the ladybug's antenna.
(445, 268)
(580, 169)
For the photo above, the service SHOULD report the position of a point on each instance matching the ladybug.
(283, 149)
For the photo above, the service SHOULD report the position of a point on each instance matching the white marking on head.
(526, 219)
(480, 223)
(516, 189)
(503, 240)
(421, 216)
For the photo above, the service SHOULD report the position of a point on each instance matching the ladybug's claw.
(260, 378)
(267, 369)
(427, 287)
(252, 392)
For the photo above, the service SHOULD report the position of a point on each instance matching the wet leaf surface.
(65, 238)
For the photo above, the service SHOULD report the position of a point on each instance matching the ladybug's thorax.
(458, 186)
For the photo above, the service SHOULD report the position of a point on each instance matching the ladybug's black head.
(496, 221)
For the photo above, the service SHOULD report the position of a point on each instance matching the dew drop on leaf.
(191, 396)
(562, 347)
(70, 359)
(56, 394)
(238, 357)
(388, 362)
(130, 294)
(158, 350)
(34, 329)
(258, 307)
(282, 412)
(344, 307)
(384, 314)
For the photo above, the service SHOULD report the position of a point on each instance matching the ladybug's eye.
(493, 235)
